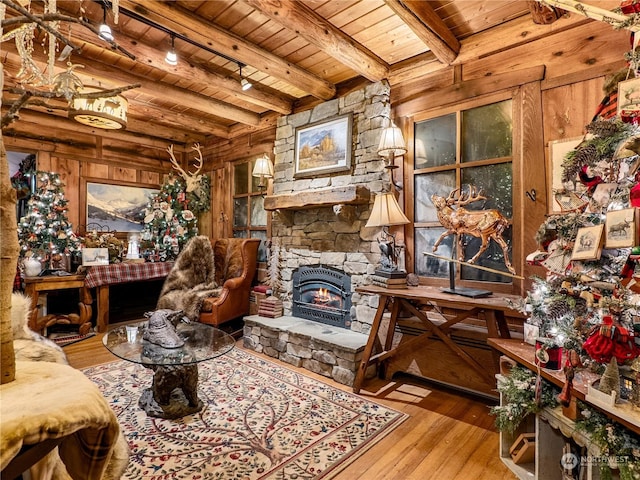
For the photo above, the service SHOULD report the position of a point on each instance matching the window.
(249, 215)
(455, 150)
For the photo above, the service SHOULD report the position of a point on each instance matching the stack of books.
(257, 295)
(388, 282)
(270, 307)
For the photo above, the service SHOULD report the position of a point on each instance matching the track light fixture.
(172, 58)
(104, 30)
(246, 84)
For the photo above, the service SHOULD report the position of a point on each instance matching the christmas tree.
(44, 232)
(171, 218)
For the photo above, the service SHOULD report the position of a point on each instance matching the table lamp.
(386, 211)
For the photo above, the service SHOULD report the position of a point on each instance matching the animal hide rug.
(191, 280)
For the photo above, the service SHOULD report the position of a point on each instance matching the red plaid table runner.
(126, 272)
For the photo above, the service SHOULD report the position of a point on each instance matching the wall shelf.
(322, 197)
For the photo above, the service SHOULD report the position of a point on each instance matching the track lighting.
(172, 58)
(246, 84)
(104, 30)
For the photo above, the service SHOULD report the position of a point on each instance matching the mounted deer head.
(192, 179)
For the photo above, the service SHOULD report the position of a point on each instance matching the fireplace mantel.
(322, 197)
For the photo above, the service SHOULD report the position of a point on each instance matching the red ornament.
(630, 6)
(634, 194)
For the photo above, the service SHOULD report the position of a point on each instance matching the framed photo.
(629, 98)
(562, 196)
(324, 147)
(95, 256)
(621, 228)
(588, 244)
(118, 207)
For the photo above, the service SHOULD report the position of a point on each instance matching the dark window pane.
(491, 258)
(262, 249)
(258, 213)
(496, 183)
(441, 183)
(241, 178)
(435, 142)
(239, 234)
(487, 132)
(427, 265)
(240, 212)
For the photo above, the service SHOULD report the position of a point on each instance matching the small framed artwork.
(588, 244)
(621, 228)
(95, 256)
(324, 147)
(563, 196)
(629, 98)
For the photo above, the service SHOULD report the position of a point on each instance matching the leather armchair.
(236, 262)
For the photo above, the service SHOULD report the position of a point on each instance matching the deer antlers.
(192, 179)
(459, 198)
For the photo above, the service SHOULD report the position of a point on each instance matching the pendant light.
(172, 58)
(104, 31)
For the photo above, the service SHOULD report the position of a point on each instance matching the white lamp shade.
(386, 212)
(171, 58)
(263, 167)
(392, 142)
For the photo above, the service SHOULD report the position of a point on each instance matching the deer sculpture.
(483, 224)
(192, 179)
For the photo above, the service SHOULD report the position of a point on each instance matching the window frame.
(516, 164)
(252, 192)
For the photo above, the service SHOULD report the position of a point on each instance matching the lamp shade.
(392, 142)
(386, 212)
(109, 113)
(263, 167)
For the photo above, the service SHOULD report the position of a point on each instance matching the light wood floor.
(447, 437)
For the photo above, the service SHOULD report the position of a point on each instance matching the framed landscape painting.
(323, 147)
(117, 207)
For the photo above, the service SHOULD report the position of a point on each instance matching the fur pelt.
(191, 279)
(27, 344)
(228, 260)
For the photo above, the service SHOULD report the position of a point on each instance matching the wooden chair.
(236, 262)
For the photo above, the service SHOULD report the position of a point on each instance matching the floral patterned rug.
(260, 421)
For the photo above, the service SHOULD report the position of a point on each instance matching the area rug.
(260, 421)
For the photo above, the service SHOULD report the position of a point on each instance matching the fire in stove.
(323, 298)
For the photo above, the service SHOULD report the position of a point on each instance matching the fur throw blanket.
(191, 280)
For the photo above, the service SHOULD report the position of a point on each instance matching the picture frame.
(621, 227)
(629, 98)
(562, 197)
(588, 244)
(117, 206)
(95, 256)
(323, 147)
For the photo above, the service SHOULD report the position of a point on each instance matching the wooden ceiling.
(295, 53)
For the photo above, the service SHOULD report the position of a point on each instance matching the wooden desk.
(397, 300)
(523, 353)
(35, 285)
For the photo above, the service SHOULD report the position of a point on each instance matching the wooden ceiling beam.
(318, 31)
(51, 123)
(152, 57)
(189, 25)
(428, 26)
(107, 75)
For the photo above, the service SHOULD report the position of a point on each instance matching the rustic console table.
(48, 283)
(102, 276)
(394, 301)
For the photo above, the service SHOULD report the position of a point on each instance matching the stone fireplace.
(321, 221)
(322, 294)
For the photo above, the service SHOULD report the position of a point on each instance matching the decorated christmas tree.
(44, 232)
(171, 218)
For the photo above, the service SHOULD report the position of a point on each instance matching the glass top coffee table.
(174, 390)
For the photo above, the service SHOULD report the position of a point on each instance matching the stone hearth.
(324, 349)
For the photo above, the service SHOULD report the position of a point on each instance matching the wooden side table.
(35, 285)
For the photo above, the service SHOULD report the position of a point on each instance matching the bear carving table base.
(174, 389)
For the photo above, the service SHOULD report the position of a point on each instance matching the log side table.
(48, 283)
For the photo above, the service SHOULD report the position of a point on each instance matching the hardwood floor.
(447, 437)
